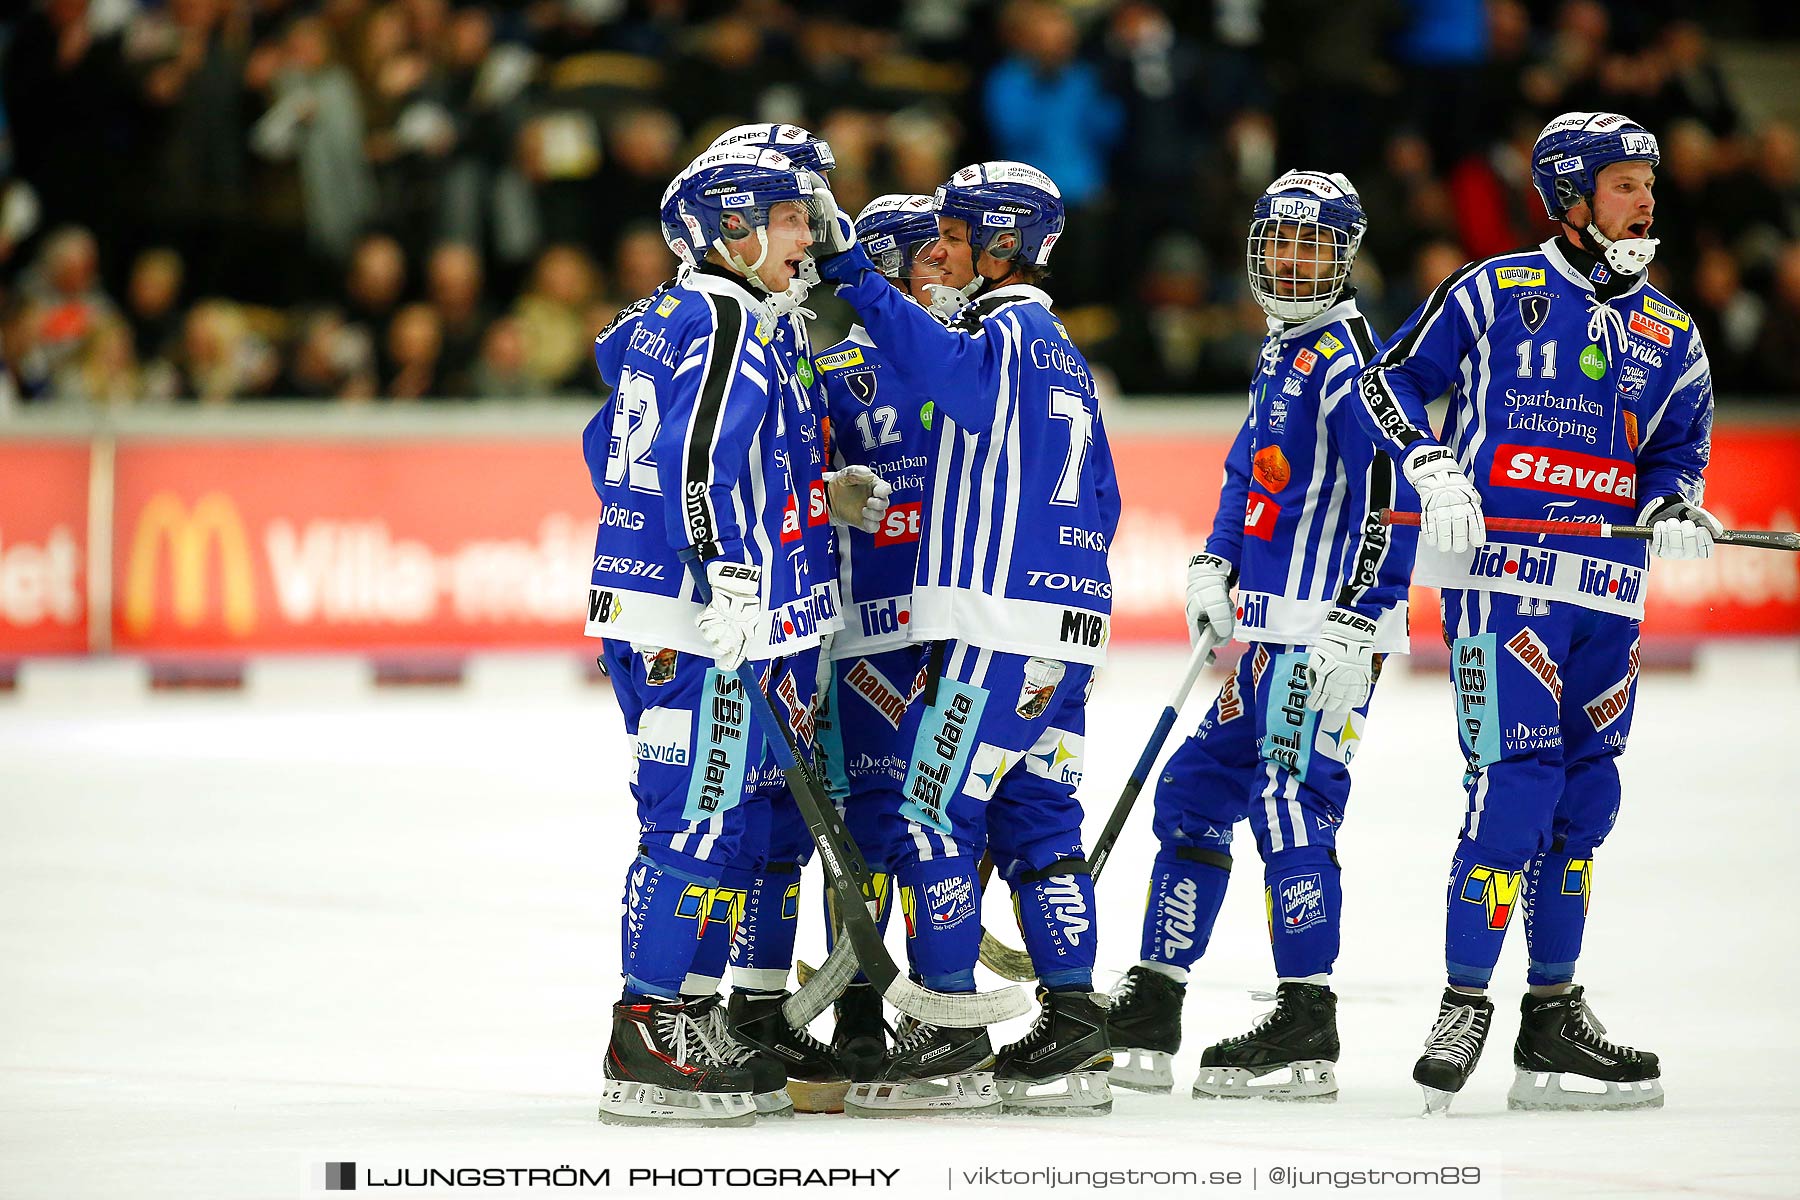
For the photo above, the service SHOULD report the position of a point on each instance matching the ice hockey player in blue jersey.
(701, 453)
(1013, 593)
(1321, 599)
(876, 671)
(1579, 393)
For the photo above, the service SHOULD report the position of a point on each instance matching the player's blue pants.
(994, 763)
(1544, 697)
(720, 839)
(1258, 753)
(864, 754)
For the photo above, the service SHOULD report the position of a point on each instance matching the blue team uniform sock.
(941, 902)
(1305, 902)
(1055, 907)
(1187, 886)
(1558, 887)
(762, 953)
(708, 967)
(668, 914)
(1485, 890)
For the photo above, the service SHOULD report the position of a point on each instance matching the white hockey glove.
(857, 496)
(1679, 529)
(1340, 669)
(1451, 508)
(729, 620)
(1209, 598)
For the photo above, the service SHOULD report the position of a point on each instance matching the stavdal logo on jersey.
(1496, 890)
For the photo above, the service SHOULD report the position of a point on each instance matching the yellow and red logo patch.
(1497, 891)
(1270, 468)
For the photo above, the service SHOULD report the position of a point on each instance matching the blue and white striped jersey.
(877, 422)
(1576, 395)
(1021, 505)
(709, 445)
(1304, 489)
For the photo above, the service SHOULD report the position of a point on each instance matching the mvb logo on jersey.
(1497, 560)
(1612, 704)
(1610, 580)
(1178, 914)
(1302, 902)
(1565, 472)
(900, 525)
(941, 753)
(1260, 516)
(717, 783)
(603, 606)
(879, 617)
(1497, 891)
(1529, 649)
(950, 902)
(1083, 628)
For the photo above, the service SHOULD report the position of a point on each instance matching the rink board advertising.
(244, 546)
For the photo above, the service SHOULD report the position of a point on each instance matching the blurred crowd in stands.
(393, 200)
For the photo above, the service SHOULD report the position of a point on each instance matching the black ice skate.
(860, 1039)
(1453, 1048)
(815, 1078)
(1060, 1066)
(929, 1072)
(768, 1078)
(660, 1070)
(1560, 1039)
(1144, 1026)
(1290, 1055)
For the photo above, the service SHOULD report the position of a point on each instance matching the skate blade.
(1437, 1101)
(1077, 1094)
(1543, 1091)
(628, 1103)
(826, 1096)
(1142, 1070)
(774, 1106)
(1307, 1081)
(969, 1095)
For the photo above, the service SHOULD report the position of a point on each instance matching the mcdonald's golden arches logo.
(190, 534)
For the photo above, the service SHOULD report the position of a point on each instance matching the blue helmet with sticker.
(895, 230)
(806, 150)
(1572, 149)
(1305, 230)
(721, 201)
(1014, 210)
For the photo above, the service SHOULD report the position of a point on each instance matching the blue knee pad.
(1305, 902)
(1486, 887)
(669, 912)
(1055, 907)
(941, 902)
(1558, 885)
(1187, 886)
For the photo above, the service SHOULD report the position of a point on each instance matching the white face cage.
(1297, 268)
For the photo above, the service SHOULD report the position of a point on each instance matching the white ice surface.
(238, 939)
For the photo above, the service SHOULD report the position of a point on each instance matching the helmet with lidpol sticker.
(1305, 230)
(1014, 210)
(896, 230)
(723, 202)
(1566, 163)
